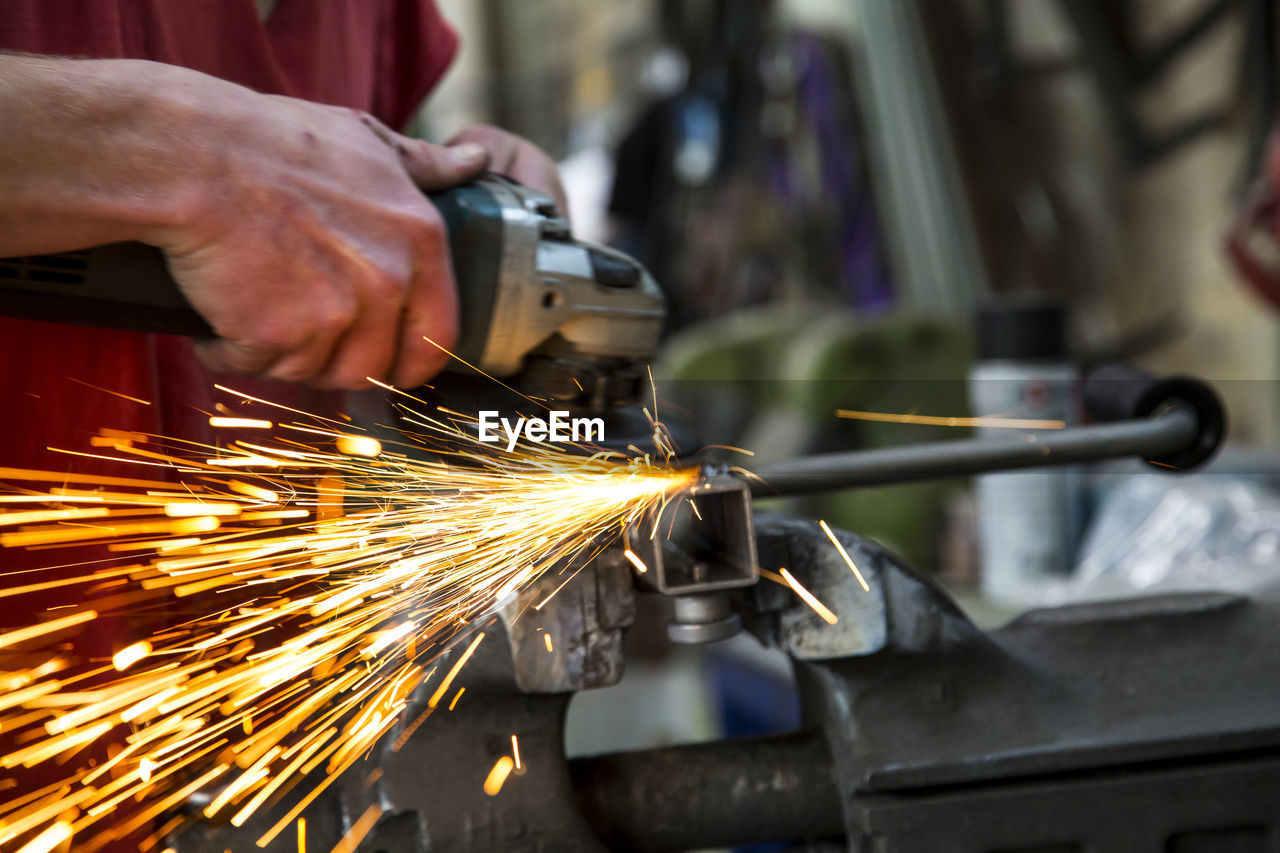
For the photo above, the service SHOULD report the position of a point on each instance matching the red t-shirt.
(381, 56)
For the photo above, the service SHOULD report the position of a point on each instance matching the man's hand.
(316, 257)
(516, 158)
(299, 231)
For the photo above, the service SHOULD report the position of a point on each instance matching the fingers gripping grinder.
(559, 318)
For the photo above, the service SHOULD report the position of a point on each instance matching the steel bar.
(1160, 435)
(722, 794)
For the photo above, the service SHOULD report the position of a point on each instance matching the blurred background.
(831, 191)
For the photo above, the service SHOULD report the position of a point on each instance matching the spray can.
(1028, 521)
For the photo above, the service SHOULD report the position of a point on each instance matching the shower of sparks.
(285, 595)
(515, 753)
(845, 554)
(990, 421)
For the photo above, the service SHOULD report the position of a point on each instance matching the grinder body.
(563, 318)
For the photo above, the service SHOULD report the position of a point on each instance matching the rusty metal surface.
(584, 615)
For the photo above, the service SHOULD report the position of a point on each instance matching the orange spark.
(934, 420)
(108, 391)
(239, 423)
(809, 598)
(498, 775)
(18, 635)
(130, 655)
(453, 672)
(635, 561)
(359, 445)
(845, 554)
(49, 839)
(359, 830)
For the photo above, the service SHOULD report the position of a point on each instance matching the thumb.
(438, 167)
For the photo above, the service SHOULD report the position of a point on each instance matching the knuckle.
(437, 329)
(237, 356)
(351, 368)
(420, 148)
(446, 335)
(388, 286)
(291, 372)
(336, 314)
(417, 370)
(274, 337)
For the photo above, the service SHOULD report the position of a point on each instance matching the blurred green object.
(770, 381)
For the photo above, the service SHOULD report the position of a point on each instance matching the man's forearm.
(95, 151)
(299, 231)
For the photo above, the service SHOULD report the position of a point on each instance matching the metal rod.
(721, 794)
(1160, 435)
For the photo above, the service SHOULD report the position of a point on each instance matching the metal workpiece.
(702, 541)
(719, 794)
(1167, 433)
(700, 547)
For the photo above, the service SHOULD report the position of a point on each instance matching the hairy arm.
(82, 161)
(300, 231)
